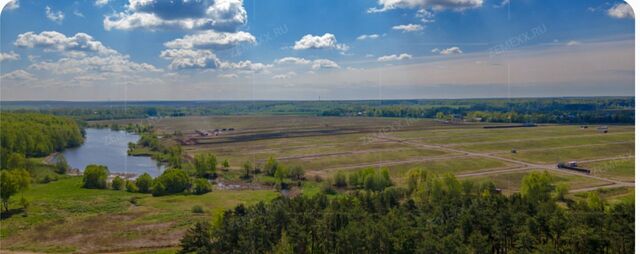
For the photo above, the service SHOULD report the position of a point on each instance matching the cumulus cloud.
(221, 15)
(457, 5)
(324, 64)
(621, 11)
(246, 66)
(326, 41)
(448, 51)
(408, 28)
(55, 41)
(368, 36)
(182, 59)
(12, 5)
(212, 39)
(292, 60)
(395, 57)
(9, 56)
(18, 75)
(55, 16)
(117, 64)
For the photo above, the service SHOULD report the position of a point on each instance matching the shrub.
(174, 180)
(61, 165)
(271, 166)
(95, 177)
(117, 183)
(197, 209)
(340, 180)
(328, 189)
(143, 182)
(131, 187)
(296, 173)
(205, 165)
(201, 186)
(158, 189)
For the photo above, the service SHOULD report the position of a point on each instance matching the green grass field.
(63, 217)
(66, 218)
(623, 170)
(564, 154)
(510, 182)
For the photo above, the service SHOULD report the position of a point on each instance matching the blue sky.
(328, 49)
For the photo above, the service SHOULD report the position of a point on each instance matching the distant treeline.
(539, 110)
(32, 134)
(441, 216)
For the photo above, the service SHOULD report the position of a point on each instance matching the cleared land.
(74, 219)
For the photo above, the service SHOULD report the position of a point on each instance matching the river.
(109, 148)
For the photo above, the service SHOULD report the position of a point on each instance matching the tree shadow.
(8, 214)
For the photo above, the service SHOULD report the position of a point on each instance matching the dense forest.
(32, 134)
(441, 215)
(540, 110)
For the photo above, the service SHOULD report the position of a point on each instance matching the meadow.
(63, 217)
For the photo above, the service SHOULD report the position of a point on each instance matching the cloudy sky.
(314, 49)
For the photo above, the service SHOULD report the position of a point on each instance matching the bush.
(271, 166)
(296, 173)
(117, 183)
(131, 187)
(197, 209)
(158, 189)
(95, 177)
(144, 182)
(174, 181)
(61, 165)
(340, 180)
(328, 189)
(201, 186)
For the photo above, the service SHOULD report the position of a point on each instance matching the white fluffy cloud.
(316, 64)
(191, 59)
(326, 41)
(12, 5)
(18, 75)
(368, 36)
(221, 15)
(408, 28)
(447, 51)
(117, 64)
(83, 57)
(395, 57)
(292, 60)
(246, 66)
(458, 5)
(212, 39)
(55, 41)
(55, 16)
(101, 2)
(9, 56)
(324, 64)
(621, 11)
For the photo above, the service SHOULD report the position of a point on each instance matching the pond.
(109, 148)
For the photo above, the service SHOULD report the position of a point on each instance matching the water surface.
(109, 148)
